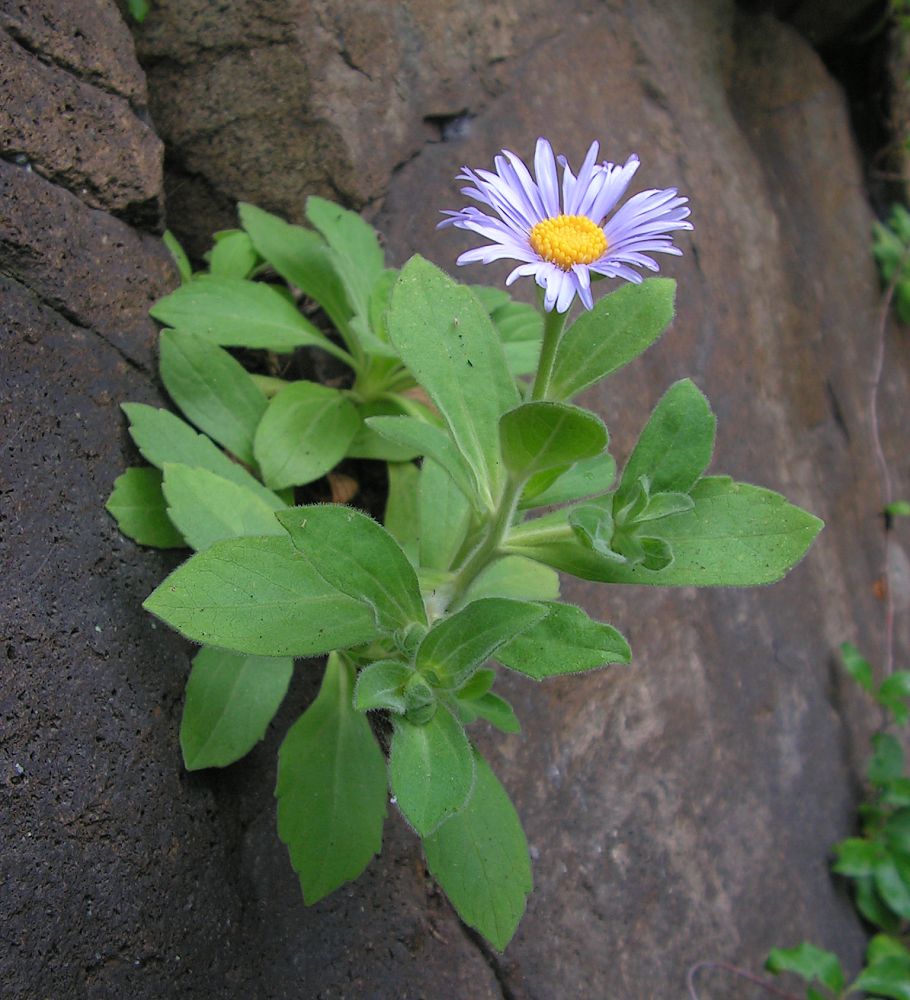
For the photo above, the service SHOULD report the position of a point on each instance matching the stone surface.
(78, 135)
(680, 810)
(270, 103)
(97, 48)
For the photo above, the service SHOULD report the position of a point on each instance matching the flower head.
(562, 245)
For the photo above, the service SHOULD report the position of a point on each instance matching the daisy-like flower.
(561, 246)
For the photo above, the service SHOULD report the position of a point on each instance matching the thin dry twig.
(881, 332)
(735, 971)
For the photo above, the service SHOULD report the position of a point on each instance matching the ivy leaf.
(889, 977)
(892, 883)
(431, 768)
(857, 666)
(237, 313)
(887, 761)
(358, 557)
(809, 963)
(304, 433)
(230, 701)
(447, 340)
(675, 447)
(206, 508)
(566, 641)
(480, 858)
(855, 857)
(331, 788)
(214, 391)
(459, 643)
(619, 327)
(137, 504)
(258, 595)
(538, 436)
(162, 437)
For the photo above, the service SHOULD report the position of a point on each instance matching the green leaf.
(539, 436)
(401, 517)
(675, 447)
(810, 963)
(885, 946)
(230, 701)
(304, 433)
(459, 643)
(887, 761)
(890, 880)
(899, 508)
(897, 832)
(480, 858)
(178, 254)
(566, 641)
(871, 905)
(138, 507)
(162, 437)
(355, 249)
(855, 857)
(857, 666)
(444, 515)
(431, 768)
(584, 479)
(446, 339)
(139, 10)
(429, 440)
(259, 595)
(207, 508)
(515, 577)
(896, 792)
(520, 328)
(889, 977)
(619, 327)
(737, 535)
(497, 711)
(893, 693)
(236, 313)
(214, 391)
(359, 558)
(477, 686)
(381, 685)
(301, 257)
(331, 788)
(368, 443)
(233, 255)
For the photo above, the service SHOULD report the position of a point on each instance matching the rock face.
(680, 810)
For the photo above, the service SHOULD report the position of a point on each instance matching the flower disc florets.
(562, 241)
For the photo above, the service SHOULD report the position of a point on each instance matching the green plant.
(413, 613)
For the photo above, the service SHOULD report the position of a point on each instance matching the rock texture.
(678, 811)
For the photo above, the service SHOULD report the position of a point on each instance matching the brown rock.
(99, 49)
(77, 135)
(271, 103)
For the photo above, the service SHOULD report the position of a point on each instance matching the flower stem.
(487, 548)
(553, 324)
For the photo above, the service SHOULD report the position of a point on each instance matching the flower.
(563, 246)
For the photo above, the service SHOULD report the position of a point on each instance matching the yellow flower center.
(568, 240)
